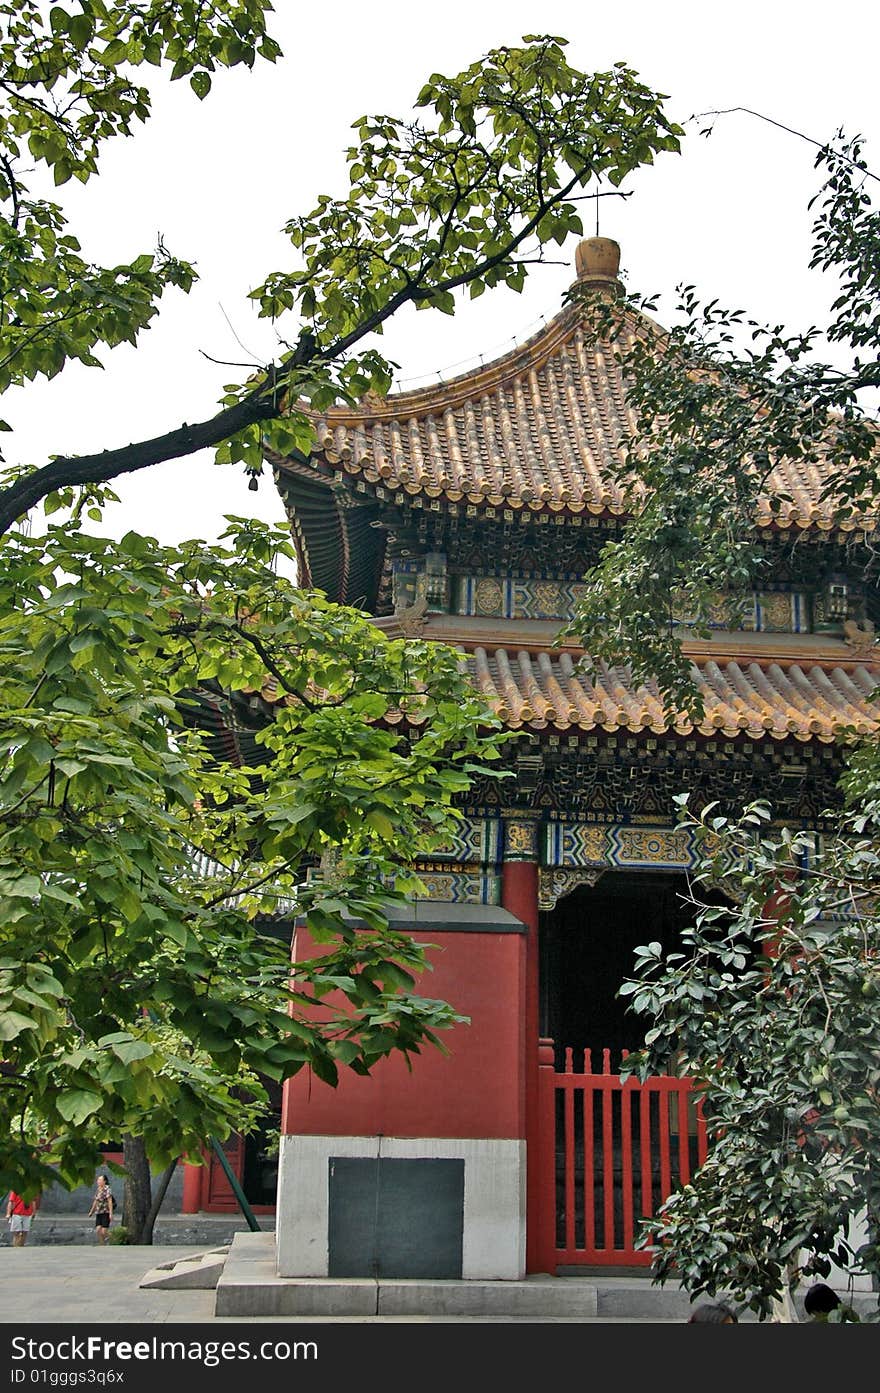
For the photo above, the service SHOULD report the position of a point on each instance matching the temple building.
(468, 513)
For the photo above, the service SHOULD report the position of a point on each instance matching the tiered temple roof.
(538, 432)
(539, 429)
(754, 696)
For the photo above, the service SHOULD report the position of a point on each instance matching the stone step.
(198, 1272)
(248, 1287)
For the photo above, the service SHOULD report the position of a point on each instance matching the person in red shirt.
(19, 1214)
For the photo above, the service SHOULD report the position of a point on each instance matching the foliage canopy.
(141, 994)
(469, 194)
(773, 1005)
(140, 989)
(720, 401)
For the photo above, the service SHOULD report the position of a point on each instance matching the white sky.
(219, 179)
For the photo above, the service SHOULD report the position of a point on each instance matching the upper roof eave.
(537, 429)
(533, 353)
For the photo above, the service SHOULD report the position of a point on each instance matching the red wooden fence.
(613, 1152)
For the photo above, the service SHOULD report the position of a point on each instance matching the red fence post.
(617, 1149)
(519, 894)
(544, 1243)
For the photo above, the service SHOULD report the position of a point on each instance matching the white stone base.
(494, 1238)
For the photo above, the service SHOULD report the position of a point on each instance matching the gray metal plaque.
(394, 1217)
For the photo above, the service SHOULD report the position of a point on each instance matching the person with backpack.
(102, 1207)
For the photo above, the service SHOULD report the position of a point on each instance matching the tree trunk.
(138, 1194)
(161, 1187)
(784, 1311)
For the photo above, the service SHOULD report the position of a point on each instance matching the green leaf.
(77, 1104)
(200, 82)
(115, 53)
(381, 823)
(80, 28)
(25, 886)
(130, 1050)
(12, 1023)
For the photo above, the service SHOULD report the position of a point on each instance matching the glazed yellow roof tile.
(539, 428)
(783, 701)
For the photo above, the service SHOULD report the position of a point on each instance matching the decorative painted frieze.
(454, 885)
(652, 846)
(574, 844)
(475, 840)
(765, 611)
(508, 598)
(777, 612)
(521, 839)
(498, 597)
(468, 886)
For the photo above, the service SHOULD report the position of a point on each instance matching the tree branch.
(415, 291)
(64, 471)
(747, 110)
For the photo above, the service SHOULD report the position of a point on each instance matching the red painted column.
(191, 1200)
(519, 894)
(544, 1241)
(774, 908)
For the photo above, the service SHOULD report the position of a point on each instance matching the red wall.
(475, 1091)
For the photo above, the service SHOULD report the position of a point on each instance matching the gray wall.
(57, 1200)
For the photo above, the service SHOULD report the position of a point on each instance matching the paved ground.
(76, 1283)
(98, 1289)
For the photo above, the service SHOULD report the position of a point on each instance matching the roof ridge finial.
(597, 262)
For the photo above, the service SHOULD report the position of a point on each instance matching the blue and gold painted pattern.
(474, 886)
(571, 844)
(475, 840)
(505, 597)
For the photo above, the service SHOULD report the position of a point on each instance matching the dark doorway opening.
(587, 951)
(259, 1179)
